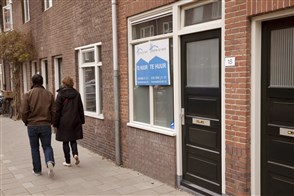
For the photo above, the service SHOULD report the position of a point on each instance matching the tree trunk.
(16, 88)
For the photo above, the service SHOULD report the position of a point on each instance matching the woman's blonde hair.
(68, 81)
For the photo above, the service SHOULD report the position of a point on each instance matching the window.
(26, 10)
(47, 4)
(58, 72)
(90, 79)
(151, 103)
(153, 27)
(44, 72)
(203, 13)
(7, 17)
(34, 68)
(25, 77)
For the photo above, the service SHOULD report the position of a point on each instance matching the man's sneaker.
(66, 164)
(50, 169)
(77, 159)
(37, 173)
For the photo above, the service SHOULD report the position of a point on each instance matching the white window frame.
(7, 7)
(11, 69)
(25, 76)
(57, 80)
(162, 12)
(43, 72)
(96, 64)
(50, 2)
(33, 68)
(26, 10)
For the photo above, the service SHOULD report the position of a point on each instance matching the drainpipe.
(115, 83)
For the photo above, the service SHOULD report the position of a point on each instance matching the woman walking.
(69, 118)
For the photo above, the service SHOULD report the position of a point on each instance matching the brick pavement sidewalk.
(94, 175)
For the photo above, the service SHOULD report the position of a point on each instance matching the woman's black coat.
(69, 115)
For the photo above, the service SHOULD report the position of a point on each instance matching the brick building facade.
(57, 33)
(228, 132)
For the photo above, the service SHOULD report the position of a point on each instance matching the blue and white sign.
(152, 63)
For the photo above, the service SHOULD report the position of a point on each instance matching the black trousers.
(66, 149)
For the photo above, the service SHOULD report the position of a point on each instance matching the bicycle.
(6, 104)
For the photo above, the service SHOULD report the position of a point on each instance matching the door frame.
(256, 94)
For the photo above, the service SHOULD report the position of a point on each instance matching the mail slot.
(287, 132)
(199, 121)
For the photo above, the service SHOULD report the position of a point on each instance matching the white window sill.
(155, 129)
(94, 115)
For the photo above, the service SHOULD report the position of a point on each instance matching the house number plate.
(287, 132)
(199, 121)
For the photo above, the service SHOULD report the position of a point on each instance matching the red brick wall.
(58, 31)
(150, 153)
(237, 99)
(257, 7)
(153, 154)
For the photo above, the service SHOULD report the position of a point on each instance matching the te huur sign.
(152, 63)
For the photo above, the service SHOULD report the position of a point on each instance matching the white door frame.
(178, 31)
(256, 94)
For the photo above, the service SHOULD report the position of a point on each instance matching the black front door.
(201, 105)
(277, 127)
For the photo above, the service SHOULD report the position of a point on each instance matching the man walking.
(38, 110)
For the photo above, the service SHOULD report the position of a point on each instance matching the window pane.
(100, 89)
(90, 89)
(154, 27)
(141, 104)
(26, 10)
(282, 58)
(203, 63)
(163, 106)
(59, 65)
(205, 13)
(99, 58)
(164, 98)
(88, 56)
(7, 18)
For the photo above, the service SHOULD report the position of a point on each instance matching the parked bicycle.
(6, 99)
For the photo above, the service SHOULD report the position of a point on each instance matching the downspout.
(116, 84)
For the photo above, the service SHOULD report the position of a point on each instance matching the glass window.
(48, 4)
(282, 58)
(25, 77)
(90, 88)
(44, 72)
(90, 77)
(204, 13)
(154, 27)
(88, 56)
(153, 104)
(7, 17)
(58, 75)
(34, 68)
(203, 63)
(26, 10)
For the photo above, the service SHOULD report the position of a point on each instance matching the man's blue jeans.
(43, 133)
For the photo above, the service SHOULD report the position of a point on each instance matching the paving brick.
(95, 175)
